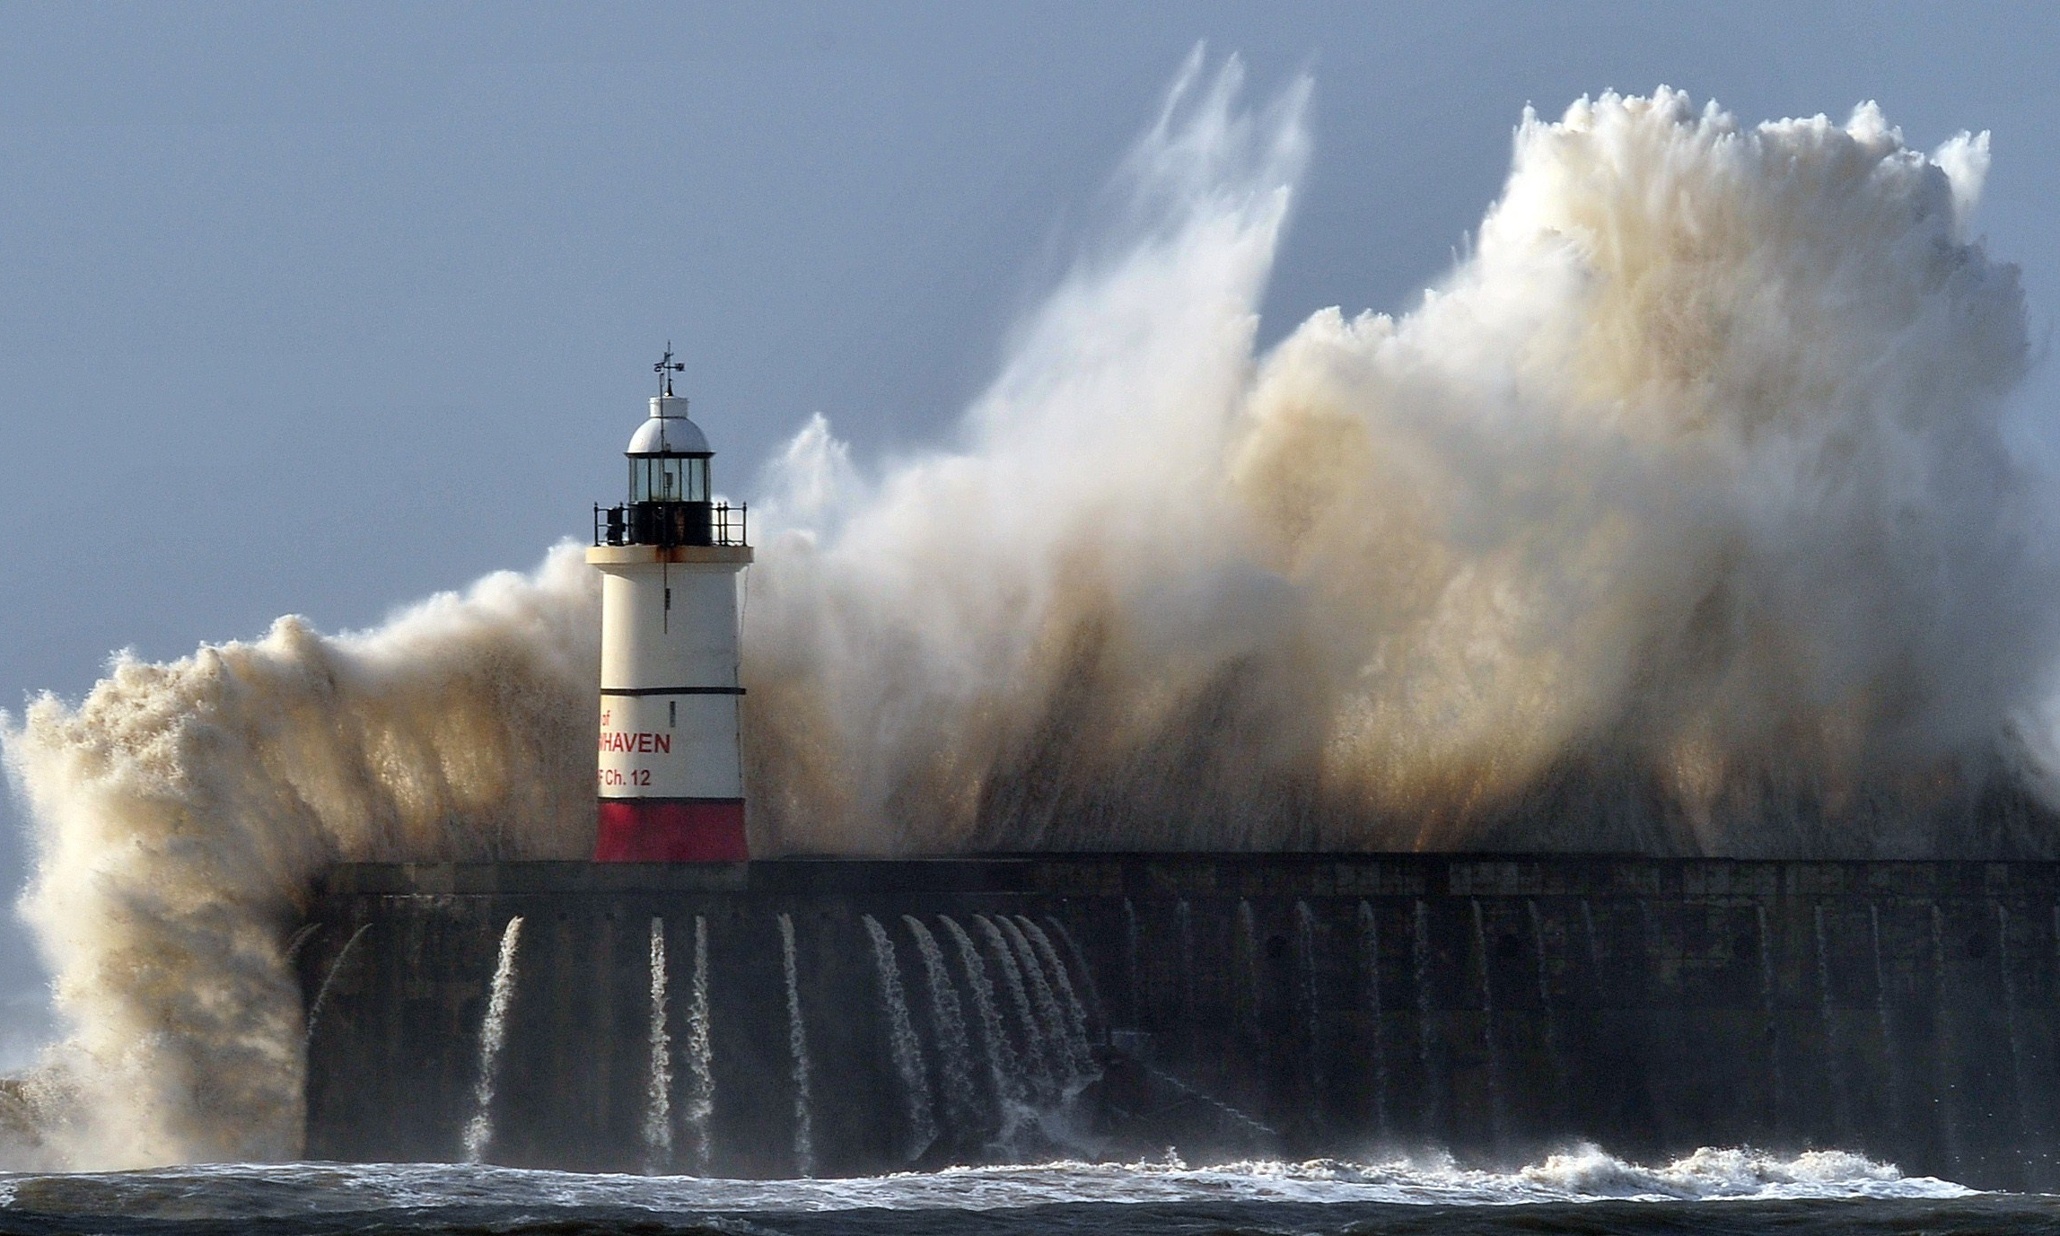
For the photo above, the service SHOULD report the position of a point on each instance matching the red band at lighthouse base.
(671, 830)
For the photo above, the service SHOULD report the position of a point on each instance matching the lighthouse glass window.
(668, 478)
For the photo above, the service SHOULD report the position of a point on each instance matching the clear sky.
(322, 309)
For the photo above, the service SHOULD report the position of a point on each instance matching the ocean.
(1583, 1190)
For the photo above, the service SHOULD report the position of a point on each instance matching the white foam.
(1582, 1175)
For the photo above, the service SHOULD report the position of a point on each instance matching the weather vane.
(665, 369)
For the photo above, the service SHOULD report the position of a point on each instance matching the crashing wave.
(1680, 516)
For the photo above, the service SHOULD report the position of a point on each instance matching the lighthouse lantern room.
(671, 780)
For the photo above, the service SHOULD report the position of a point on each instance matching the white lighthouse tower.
(671, 774)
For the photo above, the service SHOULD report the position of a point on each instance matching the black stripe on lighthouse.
(672, 690)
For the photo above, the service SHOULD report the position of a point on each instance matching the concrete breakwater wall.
(833, 1016)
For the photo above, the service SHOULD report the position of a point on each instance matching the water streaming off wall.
(906, 1047)
(658, 1093)
(797, 1048)
(1491, 1050)
(1068, 1059)
(493, 1033)
(1075, 1015)
(852, 1042)
(948, 1028)
(1426, 1034)
(700, 1106)
(1834, 1067)
(2007, 975)
(1245, 965)
(1004, 1073)
(1891, 1052)
(1189, 1009)
(1040, 1086)
(321, 996)
(1309, 1011)
(1548, 1019)
(1943, 1040)
(1775, 1086)
(1369, 944)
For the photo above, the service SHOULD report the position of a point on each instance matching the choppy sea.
(1584, 1190)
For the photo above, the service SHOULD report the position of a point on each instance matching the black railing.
(668, 524)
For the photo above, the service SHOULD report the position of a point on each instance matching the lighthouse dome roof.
(668, 431)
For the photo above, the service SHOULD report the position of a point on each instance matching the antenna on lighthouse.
(665, 368)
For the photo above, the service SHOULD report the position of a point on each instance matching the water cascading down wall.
(832, 1017)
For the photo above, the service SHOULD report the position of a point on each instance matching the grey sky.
(322, 310)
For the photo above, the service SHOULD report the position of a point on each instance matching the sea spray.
(658, 1080)
(180, 813)
(1537, 562)
(493, 1032)
(948, 1020)
(902, 1043)
(797, 1048)
(700, 1053)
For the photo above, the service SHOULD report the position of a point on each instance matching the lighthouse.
(671, 777)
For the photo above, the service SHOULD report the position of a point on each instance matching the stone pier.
(1290, 1005)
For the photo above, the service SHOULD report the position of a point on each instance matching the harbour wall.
(830, 1016)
